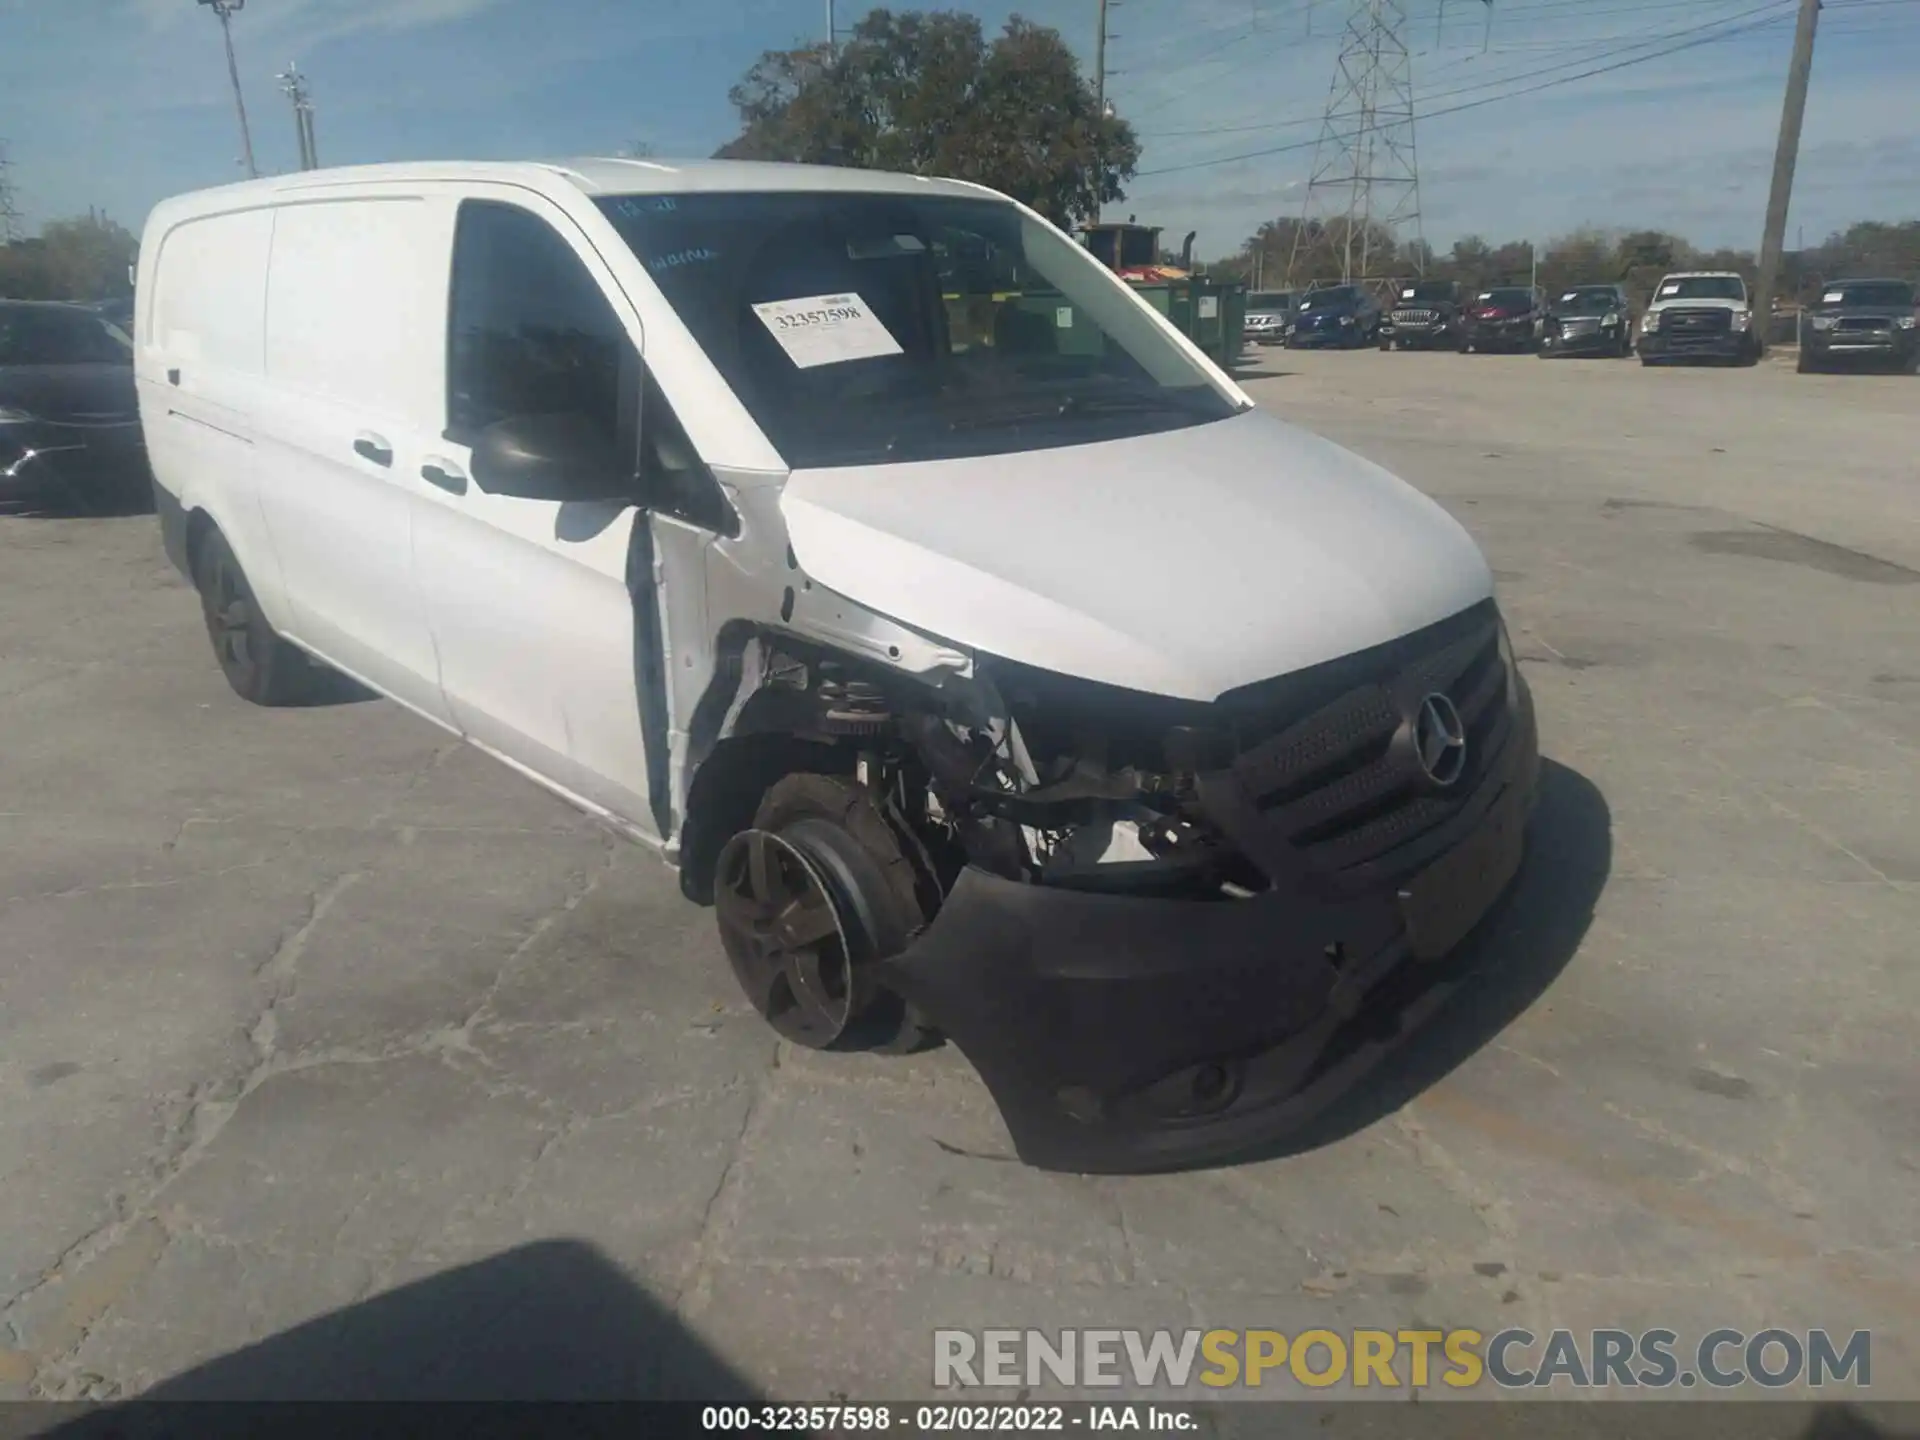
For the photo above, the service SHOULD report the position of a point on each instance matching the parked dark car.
(1589, 320)
(1425, 315)
(118, 312)
(1267, 314)
(1507, 317)
(70, 434)
(1343, 316)
(1855, 322)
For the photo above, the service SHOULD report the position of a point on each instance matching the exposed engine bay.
(1028, 776)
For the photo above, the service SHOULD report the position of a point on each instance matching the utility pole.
(226, 10)
(294, 84)
(833, 33)
(1792, 111)
(1100, 105)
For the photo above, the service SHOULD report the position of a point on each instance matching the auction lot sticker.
(826, 330)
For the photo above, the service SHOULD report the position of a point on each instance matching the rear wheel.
(1804, 365)
(807, 901)
(259, 664)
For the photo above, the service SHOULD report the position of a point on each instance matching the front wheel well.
(727, 790)
(199, 526)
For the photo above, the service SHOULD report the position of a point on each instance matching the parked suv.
(1267, 315)
(1589, 320)
(1425, 314)
(1700, 315)
(1507, 317)
(1861, 321)
(700, 495)
(1344, 316)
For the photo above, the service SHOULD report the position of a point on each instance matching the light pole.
(226, 10)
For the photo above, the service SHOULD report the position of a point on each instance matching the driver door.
(530, 601)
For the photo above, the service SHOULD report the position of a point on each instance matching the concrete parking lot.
(298, 1009)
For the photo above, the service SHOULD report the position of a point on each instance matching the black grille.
(1698, 322)
(1855, 323)
(1340, 784)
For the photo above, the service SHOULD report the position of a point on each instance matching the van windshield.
(864, 329)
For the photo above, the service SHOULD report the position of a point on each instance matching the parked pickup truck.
(1862, 322)
(1699, 315)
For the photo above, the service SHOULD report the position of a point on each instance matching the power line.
(1195, 62)
(1492, 99)
(1585, 51)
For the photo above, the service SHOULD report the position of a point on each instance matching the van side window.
(530, 331)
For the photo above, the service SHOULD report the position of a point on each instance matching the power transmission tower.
(294, 85)
(1365, 176)
(10, 225)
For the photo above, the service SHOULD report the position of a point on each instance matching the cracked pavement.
(297, 1008)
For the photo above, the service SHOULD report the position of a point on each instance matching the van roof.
(593, 175)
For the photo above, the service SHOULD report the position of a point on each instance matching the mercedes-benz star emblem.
(1440, 740)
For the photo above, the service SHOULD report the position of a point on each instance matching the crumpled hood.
(1182, 564)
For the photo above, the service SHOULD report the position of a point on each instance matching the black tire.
(874, 887)
(261, 666)
(1646, 359)
(1804, 365)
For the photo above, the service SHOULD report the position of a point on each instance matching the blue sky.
(117, 103)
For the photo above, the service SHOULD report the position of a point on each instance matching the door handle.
(372, 447)
(173, 377)
(440, 473)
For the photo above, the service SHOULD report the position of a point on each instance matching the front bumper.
(1122, 1035)
(1892, 344)
(1417, 333)
(1598, 341)
(1499, 334)
(1716, 345)
(1329, 335)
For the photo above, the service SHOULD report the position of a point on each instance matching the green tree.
(86, 258)
(927, 94)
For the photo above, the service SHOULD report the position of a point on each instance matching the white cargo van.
(966, 638)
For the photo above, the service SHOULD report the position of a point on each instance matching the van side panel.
(200, 367)
(355, 355)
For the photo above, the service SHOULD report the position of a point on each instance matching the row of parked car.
(1694, 315)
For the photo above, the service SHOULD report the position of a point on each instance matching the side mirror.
(549, 457)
